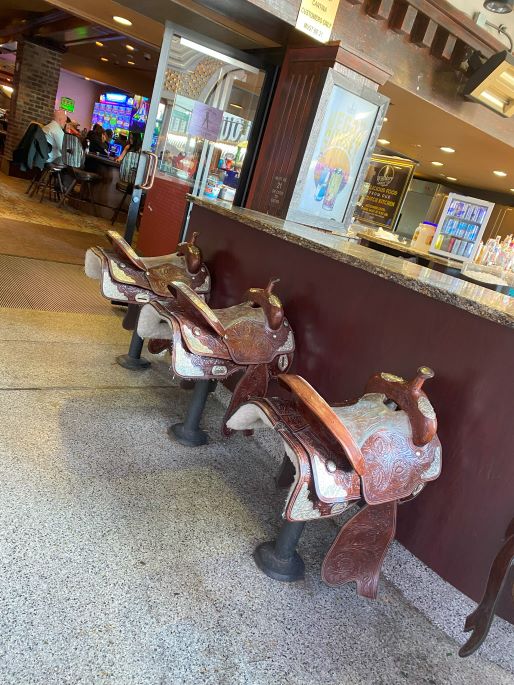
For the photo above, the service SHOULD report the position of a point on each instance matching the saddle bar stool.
(207, 345)
(73, 157)
(127, 278)
(374, 453)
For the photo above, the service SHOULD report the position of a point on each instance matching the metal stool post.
(188, 432)
(280, 560)
(133, 360)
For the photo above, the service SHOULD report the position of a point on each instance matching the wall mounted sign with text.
(316, 18)
(387, 181)
(67, 104)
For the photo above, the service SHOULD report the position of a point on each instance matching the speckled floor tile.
(30, 325)
(125, 559)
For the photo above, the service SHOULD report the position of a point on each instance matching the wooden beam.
(403, 17)
(423, 31)
(379, 9)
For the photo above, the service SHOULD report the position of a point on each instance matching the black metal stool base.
(188, 432)
(133, 363)
(280, 560)
(188, 438)
(286, 570)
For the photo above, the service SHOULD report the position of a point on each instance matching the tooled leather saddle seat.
(374, 453)
(253, 336)
(126, 277)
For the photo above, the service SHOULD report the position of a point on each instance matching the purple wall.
(85, 93)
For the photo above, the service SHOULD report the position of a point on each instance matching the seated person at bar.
(54, 132)
(134, 145)
(96, 139)
(108, 138)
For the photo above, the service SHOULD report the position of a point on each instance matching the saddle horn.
(191, 254)
(269, 302)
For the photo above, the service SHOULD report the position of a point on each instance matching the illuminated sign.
(118, 98)
(316, 18)
(67, 104)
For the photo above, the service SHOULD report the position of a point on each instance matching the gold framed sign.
(316, 18)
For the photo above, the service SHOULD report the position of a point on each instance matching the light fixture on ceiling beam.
(217, 55)
(499, 6)
(492, 84)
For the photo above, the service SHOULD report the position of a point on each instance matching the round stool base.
(188, 438)
(286, 570)
(133, 363)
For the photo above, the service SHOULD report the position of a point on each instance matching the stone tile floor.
(126, 559)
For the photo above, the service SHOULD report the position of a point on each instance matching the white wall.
(85, 93)
(469, 7)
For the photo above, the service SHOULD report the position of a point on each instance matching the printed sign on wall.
(316, 18)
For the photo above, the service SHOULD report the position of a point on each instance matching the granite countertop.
(455, 291)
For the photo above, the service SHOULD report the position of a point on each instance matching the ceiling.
(418, 129)
(132, 70)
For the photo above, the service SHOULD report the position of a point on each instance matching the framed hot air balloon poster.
(341, 141)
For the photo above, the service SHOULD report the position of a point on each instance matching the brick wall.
(36, 77)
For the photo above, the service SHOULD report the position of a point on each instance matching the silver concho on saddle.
(126, 277)
(373, 453)
(213, 344)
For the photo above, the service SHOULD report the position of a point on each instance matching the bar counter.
(356, 311)
(106, 195)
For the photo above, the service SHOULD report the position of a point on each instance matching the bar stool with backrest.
(125, 185)
(73, 156)
(50, 180)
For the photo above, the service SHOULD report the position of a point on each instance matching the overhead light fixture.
(104, 59)
(512, 190)
(437, 163)
(100, 45)
(451, 178)
(383, 141)
(499, 6)
(233, 104)
(492, 84)
(385, 119)
(130, 47)
(86, 78)
(130, 62)
(217, 55)
(449, 150)
(500, 173)
(8, 89)
(122, 21)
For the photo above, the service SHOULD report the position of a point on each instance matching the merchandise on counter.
(423, 235)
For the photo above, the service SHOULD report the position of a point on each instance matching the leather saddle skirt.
(253, 336)
(128, 278)
(366, 453)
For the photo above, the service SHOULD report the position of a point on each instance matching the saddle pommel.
(191, 254)
(270, 303)
(410, 397)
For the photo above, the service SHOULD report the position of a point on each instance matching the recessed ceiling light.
(386, 119)
(451, 178)
(104, 59)
(130, 47)
(100, 45)
(122, 21)
(86, 78)
(449, 150)
(130, 62)
(416, 144)
(500, 173)
(8, 89)
(512, 190)
(383, 141)
(437, 163)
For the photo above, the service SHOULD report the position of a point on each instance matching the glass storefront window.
(204, 120)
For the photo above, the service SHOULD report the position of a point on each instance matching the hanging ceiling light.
(492, 84)
(499, 6)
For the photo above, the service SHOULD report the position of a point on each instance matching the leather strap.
(314, 403)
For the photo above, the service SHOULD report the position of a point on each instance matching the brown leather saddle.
(128, 278)
(204, 343)
(374, 453)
